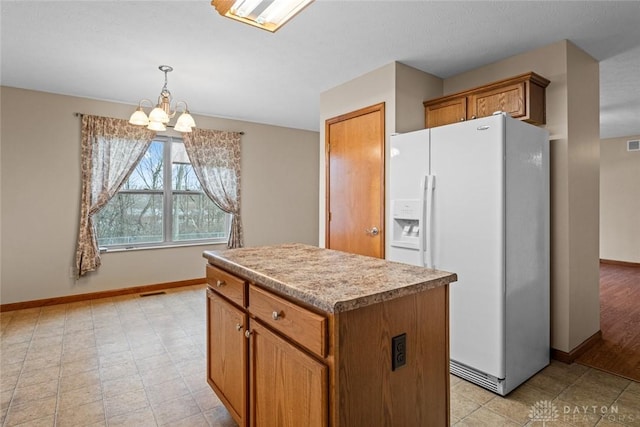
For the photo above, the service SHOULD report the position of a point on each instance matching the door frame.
(380, 107)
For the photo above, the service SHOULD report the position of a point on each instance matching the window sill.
(105, 250)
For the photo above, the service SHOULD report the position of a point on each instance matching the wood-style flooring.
(619, 350)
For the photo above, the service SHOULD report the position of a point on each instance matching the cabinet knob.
(277, 315)
(220, 283)
(238, 327)
(473, 117)
(247, 333)
(462, 119)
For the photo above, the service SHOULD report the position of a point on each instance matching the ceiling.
(110, 50)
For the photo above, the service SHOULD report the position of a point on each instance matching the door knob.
(372, 231)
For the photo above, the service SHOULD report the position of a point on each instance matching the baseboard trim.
(570, 357)
(97, 295)
(622, 263)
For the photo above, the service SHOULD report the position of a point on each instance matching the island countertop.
(332, 281)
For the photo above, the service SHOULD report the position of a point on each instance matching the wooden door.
(227, 361)
(288, 387)
(355, 182)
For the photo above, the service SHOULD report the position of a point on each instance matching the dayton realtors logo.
(546, 411)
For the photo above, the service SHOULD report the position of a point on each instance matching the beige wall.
(40, 179)
(573, 124)
(400, 87)
(370, 89)
(412, 88)
(619, 200)
(583, 82)
(0, 196)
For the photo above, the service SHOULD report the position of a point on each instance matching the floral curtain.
(215, 157)
(111, 149)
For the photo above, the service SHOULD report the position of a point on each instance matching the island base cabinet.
(369, 392)
(288, 387)
(227, 355)
(275, 360)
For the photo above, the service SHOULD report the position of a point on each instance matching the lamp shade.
(158, 115)
(139, 118)
(181, 127)
(157, 126)
(186, 120)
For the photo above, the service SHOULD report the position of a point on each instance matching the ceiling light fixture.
(161, 114)
(266, 14)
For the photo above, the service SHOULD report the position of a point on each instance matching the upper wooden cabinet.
(446, 111)
(521, 96)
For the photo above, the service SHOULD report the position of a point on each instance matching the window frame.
(168, 194)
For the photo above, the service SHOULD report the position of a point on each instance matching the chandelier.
(266, 14)
(159, 117)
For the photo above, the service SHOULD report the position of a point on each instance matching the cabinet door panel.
(447, 112)
(288, 387)
(227, 361)
(510, 99)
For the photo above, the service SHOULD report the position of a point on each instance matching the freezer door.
(467, 160)
(408, 168)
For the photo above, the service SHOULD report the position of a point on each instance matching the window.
(161, 205)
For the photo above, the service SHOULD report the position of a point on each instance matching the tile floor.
(140, 361)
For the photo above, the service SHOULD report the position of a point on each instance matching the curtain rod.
(82, 114)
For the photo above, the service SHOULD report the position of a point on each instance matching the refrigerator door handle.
(430, 187)
(421, 235)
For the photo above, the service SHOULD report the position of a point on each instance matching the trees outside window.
(161, 205)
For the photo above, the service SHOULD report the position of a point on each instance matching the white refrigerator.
(473, 198)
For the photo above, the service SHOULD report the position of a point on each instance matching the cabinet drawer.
(301, 325)
(227, 284)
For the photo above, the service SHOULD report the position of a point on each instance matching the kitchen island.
(299, 335)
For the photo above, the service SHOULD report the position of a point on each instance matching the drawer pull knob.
(277, 315)
(220, 283)
(238, 327)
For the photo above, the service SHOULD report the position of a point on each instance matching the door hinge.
(329, 216)
(329, 148)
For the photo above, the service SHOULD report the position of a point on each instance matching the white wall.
(619, 200)
(40, 178)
